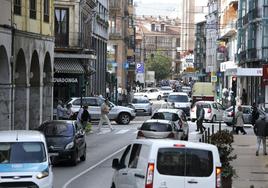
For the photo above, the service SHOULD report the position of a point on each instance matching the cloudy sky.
(158, 7)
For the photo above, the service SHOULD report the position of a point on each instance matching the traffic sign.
(140, 67)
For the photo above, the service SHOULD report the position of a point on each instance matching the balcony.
(252, 53)
(115, 33)
(115, 5)
(61, 40)
(243, 55)
(229, 30)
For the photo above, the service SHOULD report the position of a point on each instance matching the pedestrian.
(104, 112)
(84, 116)
(260, 132)
(68, 114)
(200, 118)
(239, 121)
(254, 114)
(244, 97)
(60, 110)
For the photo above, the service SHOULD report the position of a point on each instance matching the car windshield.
(177, 98)
(156, 127)
(22, 152)
(57, 129)
(144, 90)
(166, 116)
(136, 100)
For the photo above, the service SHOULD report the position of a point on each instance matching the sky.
(168, 8)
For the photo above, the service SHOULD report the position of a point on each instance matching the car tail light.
(140, 134)
(150, 176)
(218, 177)
(209, 110)
(171, 135)
(179, 145)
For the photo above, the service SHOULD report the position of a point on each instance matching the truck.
(203, 91)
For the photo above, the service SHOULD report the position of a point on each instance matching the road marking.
(92, 167)
(122, 131)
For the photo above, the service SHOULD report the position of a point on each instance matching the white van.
(24, 160)
(167, 163)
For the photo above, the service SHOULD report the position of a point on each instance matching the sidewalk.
(251, 170)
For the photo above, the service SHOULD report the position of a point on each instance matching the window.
(156, 126)
(61, 27)
(125, 156)
(17, 7)
(33, 9)
(134, 156)
(162, 27)
(46, 10)
(153, 27)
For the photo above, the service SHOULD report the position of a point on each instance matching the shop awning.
(68, 65)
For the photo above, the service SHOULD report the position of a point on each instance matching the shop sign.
(65, 80)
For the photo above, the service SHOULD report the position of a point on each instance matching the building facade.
(26, 63)
(121, 46)
(252, 53)
(159, 35)
(75, 58)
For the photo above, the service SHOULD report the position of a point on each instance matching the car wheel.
(213, 119)
(113, 186)
(74, 158)
(124, 118)
(159, 97)
(84, 156)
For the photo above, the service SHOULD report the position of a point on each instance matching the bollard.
(200, 140)
(206, 138)
(220, 126)
(203, 139)
(208, 135)
(212, 128)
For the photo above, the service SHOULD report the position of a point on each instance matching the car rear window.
(22, 152)
(184, 162)
(57, 129)
(156, 126)
(178, 98)
(166, 116)
(140, 101)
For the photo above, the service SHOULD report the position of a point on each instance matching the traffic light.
(234, 85)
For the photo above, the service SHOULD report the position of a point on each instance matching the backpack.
(84, 115)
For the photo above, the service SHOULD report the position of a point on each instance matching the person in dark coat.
(244, 97)
(200, 118)
(260, 131)
(254, 114)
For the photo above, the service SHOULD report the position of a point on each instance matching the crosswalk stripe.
(122, 131)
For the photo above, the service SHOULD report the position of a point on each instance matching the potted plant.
(223, 140)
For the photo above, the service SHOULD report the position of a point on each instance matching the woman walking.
(239, 121)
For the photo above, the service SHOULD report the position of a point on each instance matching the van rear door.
(169, 171)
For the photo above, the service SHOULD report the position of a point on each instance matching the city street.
(102, 147)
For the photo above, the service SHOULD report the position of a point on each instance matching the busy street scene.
(133, 94)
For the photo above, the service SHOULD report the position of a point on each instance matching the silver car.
(141, 105)
(120, 114)
(175, 115)
(228, 114)
(156, 128)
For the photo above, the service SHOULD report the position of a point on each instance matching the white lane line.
(122, 131)
(92, 167)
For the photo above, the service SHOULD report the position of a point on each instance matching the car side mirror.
(116, 164)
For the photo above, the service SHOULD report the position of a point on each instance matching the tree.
(160, 64)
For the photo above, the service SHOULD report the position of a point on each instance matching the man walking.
(104, 118)
(259, 130)
(60, 110)
(200, 118)
(254, 114)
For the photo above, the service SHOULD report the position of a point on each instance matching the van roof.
(158, 143)
(21, 136)
(178, 93)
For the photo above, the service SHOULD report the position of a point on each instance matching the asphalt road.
(96, 171)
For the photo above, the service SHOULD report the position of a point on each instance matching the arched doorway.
(5, 90)
(20, 93)
(34, 103)
(47, 89)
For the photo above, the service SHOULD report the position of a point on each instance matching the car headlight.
(43, 174)
(70, 145)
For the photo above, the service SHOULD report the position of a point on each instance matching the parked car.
(228, 114)
(175, 115)
(187, 89)
(65, 140)
(158, 128)
(24, 160)
(165, 91)
(167, 163)
(213, 111)
(141, 105)
(151, 93)
(120, 114)
(179, 100)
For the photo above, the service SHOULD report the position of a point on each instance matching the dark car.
(65, 140)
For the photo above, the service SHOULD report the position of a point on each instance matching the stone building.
(26, 63)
